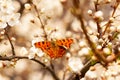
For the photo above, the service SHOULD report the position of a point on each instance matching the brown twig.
(45, 34)
(97, 22)
(96, 53)
(42, 64)
(38, 15)
(96, 5)
(92, 46)
(12, 47)
(43, 26)
(78, 14)
(86, 67)
(110, 39)
(108, 23)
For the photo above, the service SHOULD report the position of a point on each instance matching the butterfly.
(54, 49)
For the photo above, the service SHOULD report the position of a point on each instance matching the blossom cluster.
(8, 16)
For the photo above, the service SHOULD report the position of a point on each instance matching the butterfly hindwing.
(61, 51)
(56, 52)
(50, 52)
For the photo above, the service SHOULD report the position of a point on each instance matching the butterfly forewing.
(42, 45)
(65, 42)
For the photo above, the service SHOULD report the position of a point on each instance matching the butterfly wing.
(56, 51)
(61, 51)
(65, 42)
(42, 45)
(61, 46)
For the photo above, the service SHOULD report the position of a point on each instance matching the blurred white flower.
(84, 51)
(94, 38)
(90, 12)
(3, 53)
(68, 34)
(8, 14)
(118, 28)
(117, 77)
(19, 68)
(75, 26)
(68, 55)
(35, 52)
(31, 55)
(95, 72)
(113, 70)
(99, 47)
(6, 6)
(40, 53)
(56, 35)
(98, 14)
(2, 21)
(27, 6)
(91, 75)
(23, 51)
(75, 64)
(107, 51)
(82, 43)
(13, 19)
(37, 40)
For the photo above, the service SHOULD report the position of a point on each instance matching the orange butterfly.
(54, 49)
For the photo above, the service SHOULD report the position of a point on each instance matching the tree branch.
(12, 47)
(37, 61)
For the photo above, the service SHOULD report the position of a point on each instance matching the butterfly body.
(54, 49)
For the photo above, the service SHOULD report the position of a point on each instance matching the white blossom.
(75, 64)
(8, 14)
(84, 51)
(6, 6)
(13, 19)
(98, 14)
(23, 51)
(35, 51)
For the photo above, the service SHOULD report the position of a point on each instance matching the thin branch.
(42, 64)
(97, 22)
(96, 5)
(86, 67)
(12, 47)
(78, 14)
(110, 39)
(108, 23)
(64, 74)
(38, 15)
(45, 35)
(115, 8)
(96, 53)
